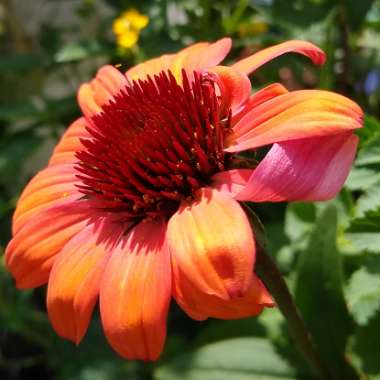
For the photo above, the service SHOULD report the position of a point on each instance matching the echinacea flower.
(140, 199)
(127, 27)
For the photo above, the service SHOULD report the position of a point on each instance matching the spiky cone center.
(154, 145)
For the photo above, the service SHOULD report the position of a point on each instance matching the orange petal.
(150, 67)
(253, 62)
(212, 242)
(258, 98)
(49, 186)
(135, 293)
(69, 144)
(201, 306)
(235, 87)
(292, 116)
(32, 251)
(199, 56)
(75, 278)
(107, 83)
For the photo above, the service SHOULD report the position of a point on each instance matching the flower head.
(140, 199)
(127, 27)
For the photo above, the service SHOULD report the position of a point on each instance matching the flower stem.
(271, 276)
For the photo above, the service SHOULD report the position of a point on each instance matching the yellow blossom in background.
(127, 27)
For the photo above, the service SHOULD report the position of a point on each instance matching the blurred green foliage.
(329, 253)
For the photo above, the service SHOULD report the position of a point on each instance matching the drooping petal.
(292, 116)
(135, 293)
(253, 62)
(201, 306)
(31, 253)
(75, 277)
(231, 182)
(69, 144)
(93, 95)
(235, 87)
(259, 97)
(211, 241)
(51, 185)
(199, 56)
(309, 169)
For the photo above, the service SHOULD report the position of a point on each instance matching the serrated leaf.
(319, 294)
(370, 200)
(232, 359)
(362, 178)
(363, 295)
(364, 232)
(370, 153)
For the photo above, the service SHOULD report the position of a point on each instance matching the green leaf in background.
(369, 201)
(357, 10)
(15, 148)
(364, 232)
(232, 359)
(362, 178)
(363, 294)
(76, 51)
(370, 153)
(299, 220)
(370, 130)
(366, 349)
(319, 294)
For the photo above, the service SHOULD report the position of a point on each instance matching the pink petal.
(309, 169)
(253, 62)
(293, 116)
(231, 182)
(135, 292)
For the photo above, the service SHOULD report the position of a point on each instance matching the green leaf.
(19, 63)
(299, 220)
(18, 111)
(370, 200)
(357, 11)
(232, 359)
(14, 150)
(364, 232)
(76, 51)
(370, 130)
(363, 294)
(370, 153)
(319, 293)
(366, 348)
(362, 178)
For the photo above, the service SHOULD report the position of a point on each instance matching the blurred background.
(329, 253)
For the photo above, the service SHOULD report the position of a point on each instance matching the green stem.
(271, 276)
